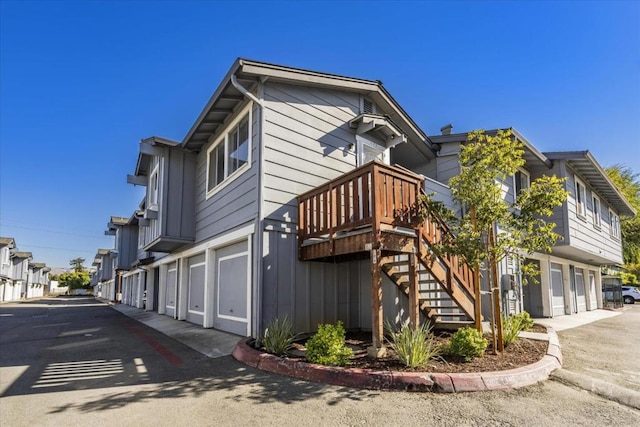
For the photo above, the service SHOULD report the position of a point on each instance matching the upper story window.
(522, 181)
(596, 212)
(614, 224)
(581, 201)
(153, 187)
(230, 153)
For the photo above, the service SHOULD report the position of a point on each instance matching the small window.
(153, 187)
(230, 153)
(521, 181)
(615, 225)
(580, 200)
(596, 212)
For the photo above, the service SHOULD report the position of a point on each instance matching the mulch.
(520, 353)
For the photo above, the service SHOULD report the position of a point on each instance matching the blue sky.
(82, 82)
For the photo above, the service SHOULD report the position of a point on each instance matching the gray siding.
(312, 293)
(235, 204)
(178, 194)
(307, 140)
(559, 216)
(582, 232)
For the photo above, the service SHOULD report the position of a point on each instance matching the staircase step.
(460, 314)
(395, 263)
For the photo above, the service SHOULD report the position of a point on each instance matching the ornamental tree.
(490, 227)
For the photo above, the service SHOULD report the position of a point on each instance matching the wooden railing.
(373, 195)
(379, 196)
(435, 231)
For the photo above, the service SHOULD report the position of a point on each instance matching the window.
(521, 181)
(615, 225)
(230, 153)
(153, 187)
(580, 199)
(596, 212)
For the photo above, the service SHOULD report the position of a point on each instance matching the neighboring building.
(37, 280)
(588, 222)
(6, 268)
(281, 199)
(21, 275)
(102, 280)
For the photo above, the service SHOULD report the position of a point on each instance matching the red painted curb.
(409, 381)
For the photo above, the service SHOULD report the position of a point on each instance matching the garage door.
(593, 301)
(195, 296)
(581, 298)
(557, 290)
(232, 289)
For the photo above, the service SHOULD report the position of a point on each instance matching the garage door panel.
(557, 290)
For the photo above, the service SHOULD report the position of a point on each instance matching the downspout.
(257, 272)
(246, 93)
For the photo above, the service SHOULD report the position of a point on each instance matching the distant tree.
(75, 280)
(628, 182)
(76, 263)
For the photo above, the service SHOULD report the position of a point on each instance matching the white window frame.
(247, 112)
(515, 181)
(596, 209)
(154, 192)
(614, 225)
(581, 202)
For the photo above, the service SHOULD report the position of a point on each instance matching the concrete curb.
(408, 381)
(602, 388)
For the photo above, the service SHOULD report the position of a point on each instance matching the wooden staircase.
(372, 209)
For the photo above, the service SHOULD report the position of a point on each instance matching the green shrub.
(513, 325)
(415, 347)
(467, 342)
(278, 336)
(327, 346)
(527, 321)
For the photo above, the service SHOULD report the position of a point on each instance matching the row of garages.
(209, 285)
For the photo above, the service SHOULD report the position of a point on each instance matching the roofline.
(462, 136)
(586, 154)
(266, 69)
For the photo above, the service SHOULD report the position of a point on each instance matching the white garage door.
(593, 301)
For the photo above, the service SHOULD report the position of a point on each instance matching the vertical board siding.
(237, 202)
(307, 143)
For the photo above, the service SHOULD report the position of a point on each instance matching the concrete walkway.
(561, 323)
(210, 342)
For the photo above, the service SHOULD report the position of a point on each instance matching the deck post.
(377, 329)
(414, 297)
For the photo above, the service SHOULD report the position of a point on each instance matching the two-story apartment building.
(21, 275)
(38, 280)
(102, 276)
(284, 198)
(6, 268)
(588, 223)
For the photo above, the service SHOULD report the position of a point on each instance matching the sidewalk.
(561, 323)
(210, 342)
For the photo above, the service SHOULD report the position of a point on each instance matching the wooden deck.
(372, 212)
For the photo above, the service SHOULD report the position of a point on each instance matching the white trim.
(596, 223)
(227, 239)
(222, 139)
(527, 174)
(200, 264)
(581, 205)
(614, 231)
(220, 259)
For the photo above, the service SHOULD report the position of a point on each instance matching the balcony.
(372, 212)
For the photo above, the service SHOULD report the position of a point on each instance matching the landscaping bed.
(522, 352)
